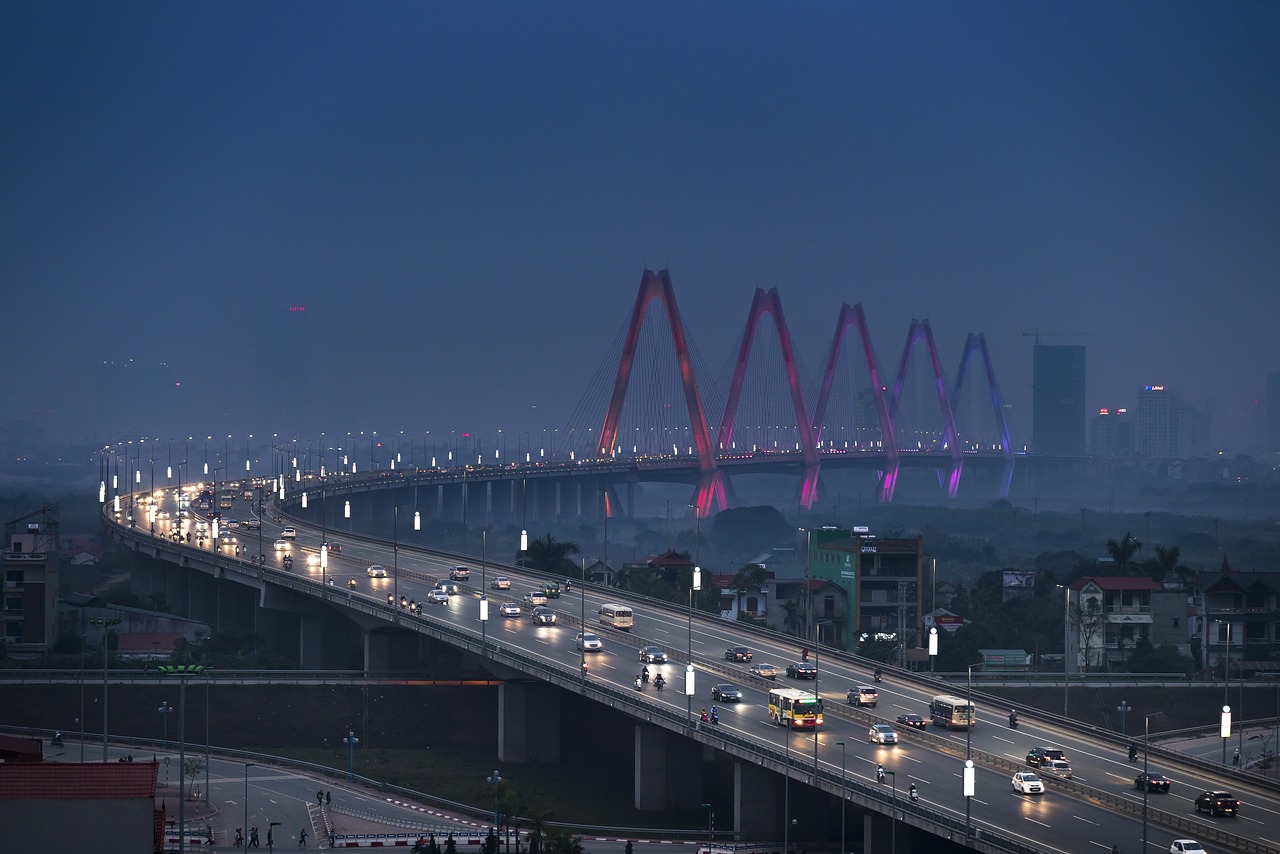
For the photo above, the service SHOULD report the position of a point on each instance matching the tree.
(750, 575)
(192, 769)
(751, 530)
(550, 555)
(1122, 551)
(1087, 620)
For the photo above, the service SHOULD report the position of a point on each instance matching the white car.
(882, 734)
(233, 523)
(377, 571)
(313, 559)
(510, 609)
(1186, 846)
(439, 597)
(1028, 783)
(537, 597)
(500, 583)
(460, 573)
(289, 533)
(282, 545)
(1058, 768)
(588, 641)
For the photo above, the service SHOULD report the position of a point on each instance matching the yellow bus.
(795, 709)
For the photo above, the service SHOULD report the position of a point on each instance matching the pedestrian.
(328, 798)
(253, 837)
(319, 797)
(302, 838)
(270, 842)
(239, 837)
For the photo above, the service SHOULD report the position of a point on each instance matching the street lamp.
(711, 825)
(1066, 646)
(164, 711)
(496, 780)
(245, 830)
(694, 584)
(182, 671)
(105, 623)
(933, 647)
(968, 756)
(1146, 780)
(351, 741)
(893, 812)
(843, 799)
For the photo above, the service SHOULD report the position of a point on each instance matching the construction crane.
(1036, 335)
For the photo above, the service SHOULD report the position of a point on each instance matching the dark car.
(1217, 803)
(1153, 781)
(726, 693)
(802, 670)
(653, 655)
(912, 721)
(737, 653)
(1038, 756)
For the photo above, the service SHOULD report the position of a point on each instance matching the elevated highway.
(1097, 809)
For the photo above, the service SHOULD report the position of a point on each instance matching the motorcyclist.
(913, 793)
(705, 717)
(391, 599)
(659, 682)
(715, 715)
(880, 773)
(57, 738)
(879, 673)
(644, 673)
(352, 584)
(1013, 717)
(1235, 757)
(1133, 753)
(804, 654)
(639, 683)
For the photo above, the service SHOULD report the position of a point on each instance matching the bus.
(952, 712)
(617, 616)
(795, 709)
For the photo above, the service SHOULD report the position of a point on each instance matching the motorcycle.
(57, 739)
(1013, 721)
(715, 716)
(1133, 753)
(879, 675)
(352, 584)
(639, 684)
(288, 562)
(914, 794)
(659, 683)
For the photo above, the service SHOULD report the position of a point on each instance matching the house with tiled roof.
(1110, 614)
(79, 806)
(1241, 619)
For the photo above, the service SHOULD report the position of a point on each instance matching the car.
(335, 548)
(1217, 803)
(653, 655)
(460, 573)
(882, 734)
(535, 597)
(1058, 768)
(510, 609)
(726, 693)
(1153, 781)
(737, 653)
(313, 559)
(764, 671)
(377, 571)
(863, 695)
(912, 721)
(289, 533)
(233, 523)
(449, 588)
(282, 545)
(253, 524)
(802, 670)
(1038, 756)
(1186, 846)
(500, 583)
(1028, 783)
(588, 641)
(439, 597)
(543, 616)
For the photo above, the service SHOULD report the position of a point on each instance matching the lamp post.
(1224, 730)
(164, 711)
(484, 585)
(968, 756)
(711, 825)
(1146, 780)
(105, 623)
(933, 647)
(695, 583)
(1066, 647)
(496, 780)
(395, 551)
(843, 799)
(245, 830)
(1226, 686)
(817, 642)
(182, 671)
(351, 741)
(582, 599)
(786, 789)
(893, 813)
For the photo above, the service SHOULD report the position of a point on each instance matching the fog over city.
(230, 218)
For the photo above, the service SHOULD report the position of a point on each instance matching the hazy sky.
(463, 197)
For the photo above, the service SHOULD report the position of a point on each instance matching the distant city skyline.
(463, 199)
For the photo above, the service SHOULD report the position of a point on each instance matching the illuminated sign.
(297, 308)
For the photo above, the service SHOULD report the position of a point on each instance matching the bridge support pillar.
(377, 651)
(310, 641)
(668, 770)
(757, 799)
(878, 835)
(528, 722)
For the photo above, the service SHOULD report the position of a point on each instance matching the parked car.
(1217, 803)
(863, 695)
(1027, 783)
(510, 609)
(737, 653)
(882, 734)
(802, 670)
(764, 671)
(1038, 756)
(726, 693)
(653, 655)
(1186, 846)
(543, 616)
(588, 642)
(912, 721)
(1153, 781)
(377, 571)
(500, 583)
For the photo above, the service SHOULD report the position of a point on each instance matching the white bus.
(952, 712)
(617, 616)
(795, 709)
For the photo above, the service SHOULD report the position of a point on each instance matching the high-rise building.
(1168, 428)
(1057, 400)
(1111, 433)
(30, 561)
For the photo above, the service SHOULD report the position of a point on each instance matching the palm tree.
(1122, 552)
(550, 555)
